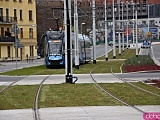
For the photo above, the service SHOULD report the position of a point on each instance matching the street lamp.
(76, 35)
(81, 27)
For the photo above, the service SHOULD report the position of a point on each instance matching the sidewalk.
(80, 113)
(12, 65)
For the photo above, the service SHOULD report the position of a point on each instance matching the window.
(30, 32)
(20, 15)
(31, 51)
(0, 51)
(8, 29)
(17, 53)
(14, 0)
(9, 51)
(7, 15)
(21, 32)
(1, 14)
(1, 11)
(15, 14)
(30, 14)
(29, 1)
(2, 31)
(20, 0)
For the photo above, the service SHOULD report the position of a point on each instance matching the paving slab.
(80, 113)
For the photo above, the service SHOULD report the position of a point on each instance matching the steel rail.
(110, 94)
(5, 88)
(134, 85)
(35, 105)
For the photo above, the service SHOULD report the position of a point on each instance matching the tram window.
(55, 49)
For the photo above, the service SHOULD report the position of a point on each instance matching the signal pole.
(106, 33)
(76, 35)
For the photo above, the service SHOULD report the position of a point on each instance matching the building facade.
(18, 29)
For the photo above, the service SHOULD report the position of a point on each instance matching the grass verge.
(85, 68)
(62, 95)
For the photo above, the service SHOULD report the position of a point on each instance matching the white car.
(38, 56)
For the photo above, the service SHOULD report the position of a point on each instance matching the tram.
(55, 48)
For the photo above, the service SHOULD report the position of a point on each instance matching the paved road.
(156, 53)
(82, 78)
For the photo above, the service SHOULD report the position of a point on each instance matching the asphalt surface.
(70, 113)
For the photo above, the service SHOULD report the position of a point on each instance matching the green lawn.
(76, 95)
(104, 66)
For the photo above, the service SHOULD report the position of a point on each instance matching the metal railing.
(7, 19)
(7, 39)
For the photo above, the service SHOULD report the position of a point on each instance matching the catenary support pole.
(119, 34)
(127, 24)
(76, 35)
(122, 30)
(114, 49)
(106, 33)
(133, 19)
(148, 16)
(136, 35)
(94, 31)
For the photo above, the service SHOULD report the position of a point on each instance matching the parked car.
(38, 56)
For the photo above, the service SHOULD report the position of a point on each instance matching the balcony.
(7, 19)
(7, 39)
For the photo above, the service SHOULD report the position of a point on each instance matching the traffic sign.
(153, 30)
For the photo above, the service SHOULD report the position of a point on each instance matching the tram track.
(35, 104)
(124, 80)
(12, 83)
(117, 98)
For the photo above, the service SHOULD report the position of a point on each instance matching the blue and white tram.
(55, 49)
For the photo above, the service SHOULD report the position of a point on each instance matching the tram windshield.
(55, 49)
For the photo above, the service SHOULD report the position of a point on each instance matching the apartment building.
(18, 29)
